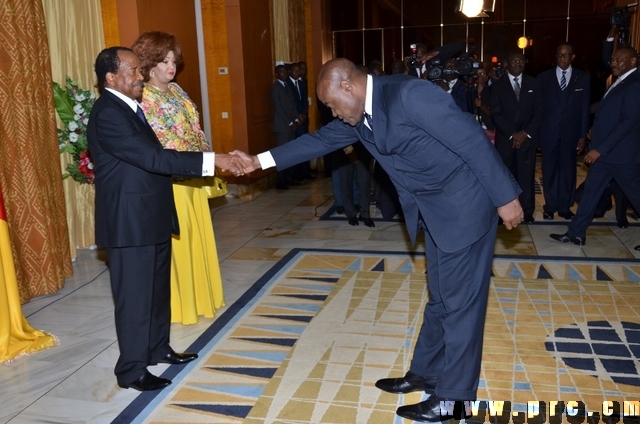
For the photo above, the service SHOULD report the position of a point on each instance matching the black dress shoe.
(430, 410)
(407, 384)
(637, 247)
(566, 214)
(282, 187)
(147, 383)
(566, 238)
(528, 219)
(367, 221)
(623, 224)
(547, 215)
(174, 358)
(353, 221)
(340, 210)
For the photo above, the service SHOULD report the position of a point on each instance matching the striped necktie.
(516, 87)
(563, 80)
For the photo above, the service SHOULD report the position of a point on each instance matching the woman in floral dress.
(196, 284)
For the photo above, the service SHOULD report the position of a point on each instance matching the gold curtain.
(297, 32)
(29, 158)
(74, 28)
(281, 31)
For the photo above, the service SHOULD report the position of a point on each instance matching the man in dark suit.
(615, 145)
(457, 87)
(135, 216)
(285, 119)
(516, 109)
(566, 93)
(451, 184)
(299, 91)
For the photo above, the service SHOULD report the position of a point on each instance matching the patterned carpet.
(307, 343)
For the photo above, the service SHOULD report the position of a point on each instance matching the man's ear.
(346, 85)
(109, 78)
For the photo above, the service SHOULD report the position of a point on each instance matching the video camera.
(621, 17)
(466, 68)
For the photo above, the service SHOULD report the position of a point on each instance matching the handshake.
(237, 162)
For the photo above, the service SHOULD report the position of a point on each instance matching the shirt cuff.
(208, 164)
(266, 160)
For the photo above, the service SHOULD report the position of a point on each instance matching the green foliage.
(73, 105)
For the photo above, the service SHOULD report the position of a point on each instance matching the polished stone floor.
(74, 382)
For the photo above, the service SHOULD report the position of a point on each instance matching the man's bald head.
(342, 86)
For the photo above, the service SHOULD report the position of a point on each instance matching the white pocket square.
(579, 89)
(530, 91)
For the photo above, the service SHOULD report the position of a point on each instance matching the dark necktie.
(516, 87)
(297, 88)
(369, 119)
(141, 115)
(563, 80)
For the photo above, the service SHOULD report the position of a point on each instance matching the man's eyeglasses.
(564, 55)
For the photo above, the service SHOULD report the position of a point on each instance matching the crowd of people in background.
(545, 119)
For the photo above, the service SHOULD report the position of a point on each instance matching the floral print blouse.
(173, 117)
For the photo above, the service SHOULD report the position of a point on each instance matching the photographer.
(456, 86)
(418, 62)
(481, 95)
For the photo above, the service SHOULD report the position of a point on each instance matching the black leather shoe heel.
(147, 383)
(407, 384)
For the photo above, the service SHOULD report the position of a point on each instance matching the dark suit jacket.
(510, 115)
(284, 107)
(616, 127)
(134, 195)
(440, 160)
(460, 95)
(566, 113)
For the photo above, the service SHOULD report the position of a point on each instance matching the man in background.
(285, 119)
(516, 109)
(615, 145)
(566, 94)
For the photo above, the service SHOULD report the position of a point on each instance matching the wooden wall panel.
(179, 19)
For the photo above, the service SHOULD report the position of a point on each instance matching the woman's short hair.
(152, 47)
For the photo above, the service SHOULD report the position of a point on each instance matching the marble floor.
(74, 382)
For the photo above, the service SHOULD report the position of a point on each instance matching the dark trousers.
(559, 161)
(141, 287)
(449, 345)
(285, 176)
(363, 181)
(522, 164)
(598, 178)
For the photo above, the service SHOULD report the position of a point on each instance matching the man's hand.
(582, 143)
(249, 163)
(511, 214)
(518, 139)
(302, 118)
(228, 162)
(591, 156)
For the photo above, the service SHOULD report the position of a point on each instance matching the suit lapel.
(132, 115)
